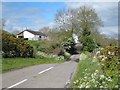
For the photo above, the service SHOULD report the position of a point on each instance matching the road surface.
(41, 76)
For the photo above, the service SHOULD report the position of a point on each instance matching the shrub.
(69, 46)
(58, 51)
(44, 46)
(15, 47)
(91, 75)
(67, 56)
(44, 55)
(110, 60)
(88, 43)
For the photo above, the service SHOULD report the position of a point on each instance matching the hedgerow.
(15, 47)
(109, 61)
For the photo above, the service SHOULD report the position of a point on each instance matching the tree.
(89, 20)
(44, 30)
(90, 23)
(83, 21)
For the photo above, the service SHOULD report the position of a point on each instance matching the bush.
(44, 55)
(91, 75)
(15, 47)
(58, 52)
(44, 46)
(88, 43)
(110, 60)
(67, 56)
(69, 46)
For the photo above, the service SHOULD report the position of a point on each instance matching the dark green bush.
(88, 43)
(15, 47)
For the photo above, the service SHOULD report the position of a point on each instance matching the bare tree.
(44, 29)
(64, 19)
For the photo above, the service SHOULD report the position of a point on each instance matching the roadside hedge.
(110, 60)
(15, 47)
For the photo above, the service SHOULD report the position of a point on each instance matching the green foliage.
(63, 36)
(88, 43)
(57, 39)
(84, 21)
(46, 46)
(67, 56)
(110, 61)
(14, 47)
(102, 40)
(90, 74)
(86, 71)
(82, 18)
(69, 46)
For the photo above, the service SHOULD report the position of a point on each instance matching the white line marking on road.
(18, 83)
(67, 83)
(45, 70)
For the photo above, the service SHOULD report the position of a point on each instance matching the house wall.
(43, 37)
(29, 35)
(36, 37)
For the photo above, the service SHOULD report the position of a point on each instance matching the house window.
(40, 37)
(20, 36)
(25, 38)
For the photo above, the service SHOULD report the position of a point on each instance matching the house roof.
(33, 32)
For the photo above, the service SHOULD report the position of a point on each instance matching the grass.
(9, 64)
(90, 75)
(0, 64)
(86, 66)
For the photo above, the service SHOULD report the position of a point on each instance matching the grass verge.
(9, 64)
(90, 75)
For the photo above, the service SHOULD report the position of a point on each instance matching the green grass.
(9, 64)
(85, 66)
(0, 64)
(90, 75)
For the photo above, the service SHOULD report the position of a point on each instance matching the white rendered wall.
(36, 37)
(28, 35)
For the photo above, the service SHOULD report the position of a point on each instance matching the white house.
(32, 35)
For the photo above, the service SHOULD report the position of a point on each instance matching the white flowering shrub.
(44, 55)
(110, 63)
(93, 80)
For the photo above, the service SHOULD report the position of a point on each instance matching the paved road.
(40, 76)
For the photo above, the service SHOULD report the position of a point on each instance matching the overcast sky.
(35, 15)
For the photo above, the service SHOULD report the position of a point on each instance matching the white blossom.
(102, 76)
